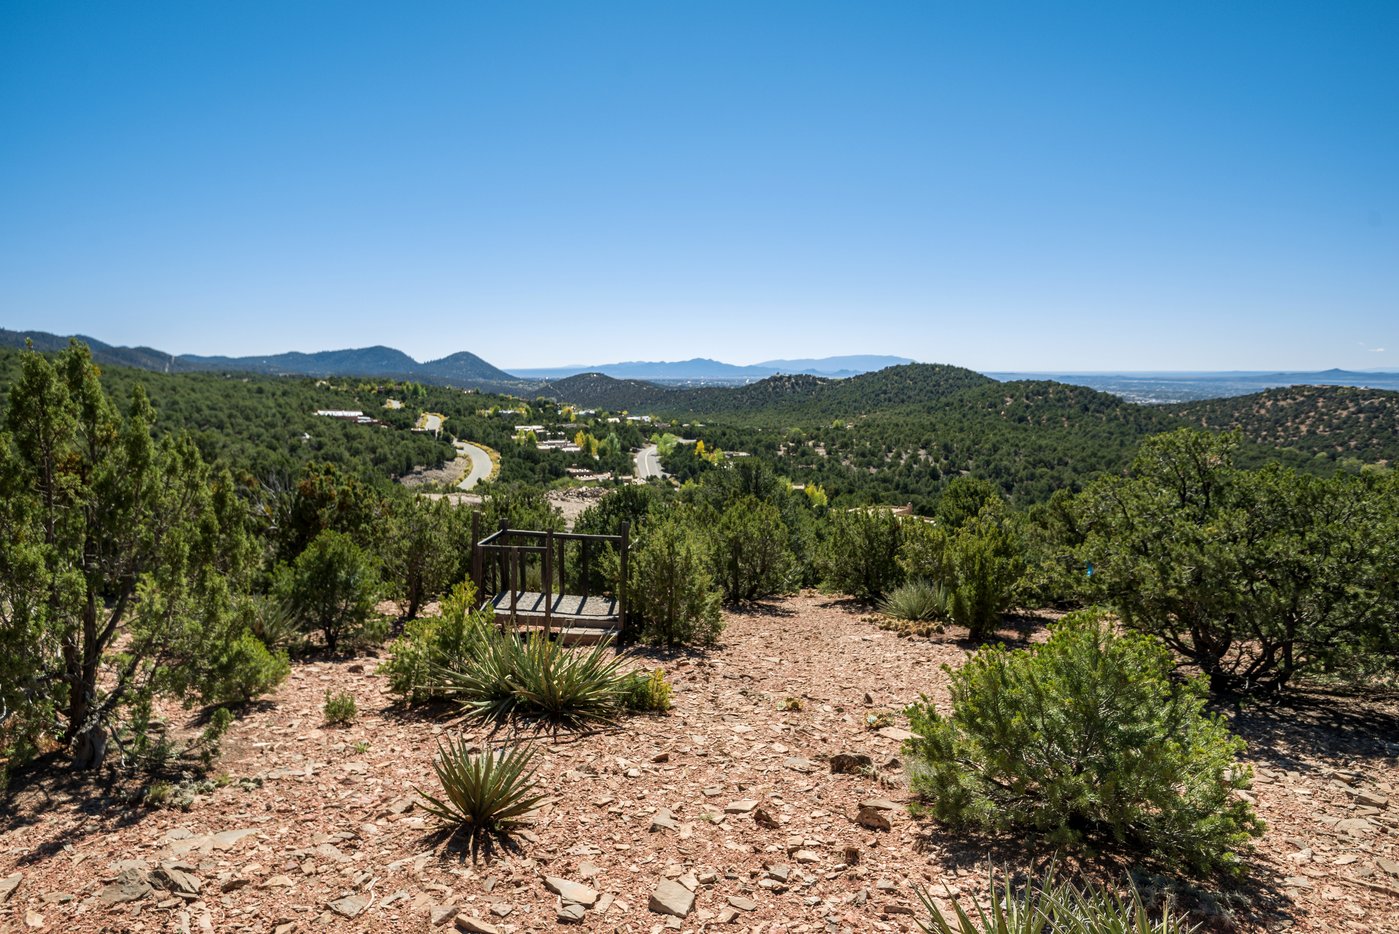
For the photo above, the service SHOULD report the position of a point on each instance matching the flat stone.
(779, 873)
(1387, 865)
(849, 763)
(1371, 799)
(743, 903)
(8, 886)
(727, 916)
(763, 819)
(1355, 826)
(351, 906)
(571, 913)
(441, 914)
(574, 892)
(672, 898)
(663, 820)
(806, 856)
(740, 807)
(879, 804)
(797, 764)
(894, 733)
(130, 886)
(175, 879)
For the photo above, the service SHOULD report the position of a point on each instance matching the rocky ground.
(736, 811)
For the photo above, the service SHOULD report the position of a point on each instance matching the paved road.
(648, 463)
(430, 422)
(480, 464)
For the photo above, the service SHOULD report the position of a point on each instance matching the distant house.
(536, 429)
(347, 415)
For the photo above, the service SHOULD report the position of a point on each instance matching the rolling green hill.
(1334, 421)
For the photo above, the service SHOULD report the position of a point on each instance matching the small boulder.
(470, 924)
(351, 906)
(574, 892)
(672, 898)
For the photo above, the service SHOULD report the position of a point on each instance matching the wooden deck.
(569, 611)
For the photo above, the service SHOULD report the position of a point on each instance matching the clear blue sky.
(1037, 186)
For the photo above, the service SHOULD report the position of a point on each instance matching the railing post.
(515, 576)
(622, 585)
(477, 569)
(586, 575)
(547, 572)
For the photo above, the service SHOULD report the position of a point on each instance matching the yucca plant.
(1052, 907)
(485, 683)
(482, 793)
(569, 688)
(916, 601)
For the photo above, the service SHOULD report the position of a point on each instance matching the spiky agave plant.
(489, 792)
(570, 688)
(916, 601)
(1052, 906)
(485, 683)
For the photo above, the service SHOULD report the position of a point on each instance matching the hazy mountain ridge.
(463, 369)
(704, 368)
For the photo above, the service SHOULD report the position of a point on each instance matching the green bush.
(861, 555)
(1086, 740)
(482, 793)
(647, 693)
(1051, 905)
(448, 641)
(987, 563)
(916, 601)
(241, 670)
(331, 587)
(673, 595)
(751, 556)
(339, 708)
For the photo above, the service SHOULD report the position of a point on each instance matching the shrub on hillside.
(1086, 740)
(450, 641)
(861, 554)
(751, 557)
(916, 601)
(673, 595)
(242, 669)
(647, 693)
(331, 587)
(986, 564)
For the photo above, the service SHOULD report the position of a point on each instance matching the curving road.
(648, 463)
(480, 463)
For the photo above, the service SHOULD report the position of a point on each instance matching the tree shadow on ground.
(1308, 729)
(103, 800)
(1217, 904)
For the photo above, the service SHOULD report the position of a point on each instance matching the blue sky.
(1037, 186)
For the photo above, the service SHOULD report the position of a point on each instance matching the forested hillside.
(1331, 421)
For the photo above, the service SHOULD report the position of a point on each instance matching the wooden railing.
(500, 561)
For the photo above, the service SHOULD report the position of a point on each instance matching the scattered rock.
(574, 892)
(740, 807)
(873, 819)
(672, 898)
(173, 877)
(779, 873)
(441, 914)
(474, 925)
(743, 903)
(849, 763)
(131, 885)
(8, 886)
(797, 764)
(894, 733)
(1387, 865)
(571, 912)
(763, 819)
(663, 820)
(1371, 799)
(351, 906)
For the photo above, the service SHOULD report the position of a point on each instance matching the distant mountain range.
(639, 384)
(460, 369)
(702, 369)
